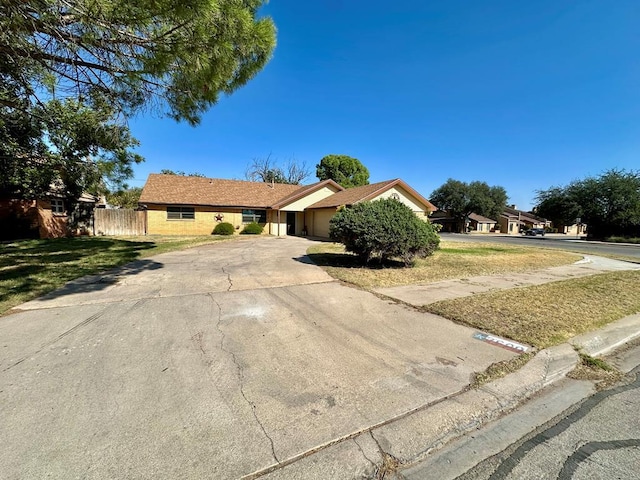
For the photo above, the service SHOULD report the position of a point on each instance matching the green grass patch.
(596, 370)
(452, 260)
(594, 362)
(549, 314)
(635, 240)
(30, 268)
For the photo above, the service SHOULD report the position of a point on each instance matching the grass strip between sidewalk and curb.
(31, 268)
(597, 370)
(452, 260)
(501, 369)
(549, 314)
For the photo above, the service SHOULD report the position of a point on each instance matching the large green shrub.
(224, 228)
(384, 229)
(252, 228)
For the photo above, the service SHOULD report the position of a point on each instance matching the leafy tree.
(343, 169)
(166, 171)
(72, 71)
(125, 198)
(557, 205)
(184, 53)
(267, 170)
(65, 144)
(383, 229)
(609, 204)
(460, 199)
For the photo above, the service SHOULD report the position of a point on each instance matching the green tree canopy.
(125, 198)
(66, 145)
(558, 205)
(460, 199)
(183, 53)
(343, 169)
(609, 204)
(72, 71)
(166, 171)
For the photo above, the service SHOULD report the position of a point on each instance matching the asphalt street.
(597, 439)
(552, 241)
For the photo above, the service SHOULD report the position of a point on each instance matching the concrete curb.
(548, 367)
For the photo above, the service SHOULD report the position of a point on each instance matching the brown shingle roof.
(301, 192)
(368, 192)
(480, 218)
(524, 215)
(184, 190)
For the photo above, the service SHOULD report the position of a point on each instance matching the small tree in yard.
(384, 229)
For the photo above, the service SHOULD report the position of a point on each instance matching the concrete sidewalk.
(425, 294)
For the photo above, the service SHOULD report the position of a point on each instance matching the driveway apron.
(218, 361)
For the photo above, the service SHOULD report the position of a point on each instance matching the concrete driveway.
(237, 359)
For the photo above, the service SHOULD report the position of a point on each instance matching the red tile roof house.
(183, 205)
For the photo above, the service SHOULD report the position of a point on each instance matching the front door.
(291, 223)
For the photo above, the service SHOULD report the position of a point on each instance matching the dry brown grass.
(549, 314)
(596, 370)
(452, 260)
(501, 369)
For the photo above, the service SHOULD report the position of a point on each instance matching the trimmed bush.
(384, 229)
(224, 228)
(252, 228)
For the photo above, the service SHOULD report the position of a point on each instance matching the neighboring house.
(183, 205)
(575, 229)
(480, 224)
(514, 221)
(475, 223)
(46, 217)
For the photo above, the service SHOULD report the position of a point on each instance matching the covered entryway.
(291, 223)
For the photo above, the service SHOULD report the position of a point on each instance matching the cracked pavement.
(234, 360)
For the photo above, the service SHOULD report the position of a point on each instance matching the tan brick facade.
(203, 223)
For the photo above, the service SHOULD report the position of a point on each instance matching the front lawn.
(30, 268)
(549, 314)
(452, 260)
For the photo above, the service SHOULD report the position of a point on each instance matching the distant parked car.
(535, 231)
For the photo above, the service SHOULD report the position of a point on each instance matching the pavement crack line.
(508, 464)
(228, 279)
(368, 429)
(240, 374)
(583, 453)
(355, 440)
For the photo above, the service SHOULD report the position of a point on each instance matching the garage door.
(321, 222)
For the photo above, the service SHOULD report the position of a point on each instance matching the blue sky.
(525, 95)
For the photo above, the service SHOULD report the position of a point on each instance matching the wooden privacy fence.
(119, 222)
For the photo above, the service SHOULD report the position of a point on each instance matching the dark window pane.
(181, 213)
(258, 216)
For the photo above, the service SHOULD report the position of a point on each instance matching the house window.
(57, 205)
(258, 216)
(181, 213)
